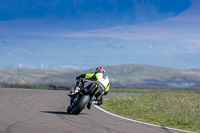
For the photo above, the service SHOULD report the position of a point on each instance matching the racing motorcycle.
(83, 97)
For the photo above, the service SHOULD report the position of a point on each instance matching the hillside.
(120, 75)
(27, 76)
(146, 75)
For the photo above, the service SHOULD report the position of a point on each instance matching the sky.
(82, 34)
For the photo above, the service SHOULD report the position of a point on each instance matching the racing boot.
(94, 102)
(74, 92)
(89, 105)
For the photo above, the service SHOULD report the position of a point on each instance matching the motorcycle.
(83, 97)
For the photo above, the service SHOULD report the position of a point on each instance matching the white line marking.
(140, 121)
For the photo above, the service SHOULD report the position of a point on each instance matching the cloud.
(5, 41)
(183, 26)
(135, 32)
(192, 14)
(71, 67)
(194, 43)
(161, 30)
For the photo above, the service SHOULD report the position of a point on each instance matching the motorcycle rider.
(103, 85)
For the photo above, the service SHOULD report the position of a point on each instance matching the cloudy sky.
(81, 34)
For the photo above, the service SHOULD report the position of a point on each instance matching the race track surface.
(44, 111)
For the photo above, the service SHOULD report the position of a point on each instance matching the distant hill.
(28, 76)
(145, 75)
(120, 75)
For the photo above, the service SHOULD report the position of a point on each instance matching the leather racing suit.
(102, 81)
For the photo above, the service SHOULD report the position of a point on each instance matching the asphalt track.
(42, 111)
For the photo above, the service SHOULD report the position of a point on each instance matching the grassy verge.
(151, 90)
(178, 109)
(137, 90)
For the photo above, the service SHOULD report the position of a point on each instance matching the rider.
(103, 84)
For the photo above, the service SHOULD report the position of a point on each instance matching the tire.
(81, 104)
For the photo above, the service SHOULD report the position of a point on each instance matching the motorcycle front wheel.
(81, 104)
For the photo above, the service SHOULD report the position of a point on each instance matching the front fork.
(73, 100)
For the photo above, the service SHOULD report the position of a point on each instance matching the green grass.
(137, 90)
(150, 90)
(177, 109)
